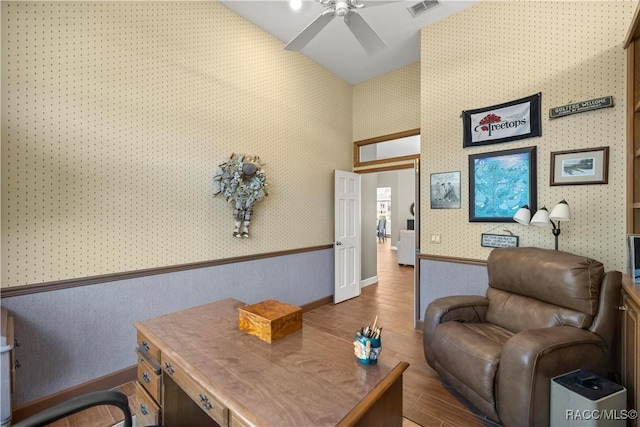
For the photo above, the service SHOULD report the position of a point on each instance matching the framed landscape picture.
(580, 167)
(500, 183)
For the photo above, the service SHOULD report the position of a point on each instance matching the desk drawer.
(147, 411)
(236, 422)
(195, 391)
(149, 347)
(149, 375)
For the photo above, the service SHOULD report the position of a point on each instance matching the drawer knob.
(145, 345)
(146, 378)
(204, 400)
(143, 409)
(168, 367)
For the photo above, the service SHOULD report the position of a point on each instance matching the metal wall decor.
(242, 181)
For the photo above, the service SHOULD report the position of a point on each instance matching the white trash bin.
(584, 399)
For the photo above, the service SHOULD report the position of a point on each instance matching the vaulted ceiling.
(335, 47)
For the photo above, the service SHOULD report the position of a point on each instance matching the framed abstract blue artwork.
(500, 183)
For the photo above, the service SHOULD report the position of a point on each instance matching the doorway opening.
(388, 206)
(383, 229)
(401, 230)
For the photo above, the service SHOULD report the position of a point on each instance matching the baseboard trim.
(454, 260)
(316, 304)
(106, 382)
(370, 281)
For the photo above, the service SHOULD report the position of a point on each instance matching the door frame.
(416, 268)
(416, 263)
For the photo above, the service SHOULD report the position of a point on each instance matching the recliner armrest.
(461, 308)
(528, 362)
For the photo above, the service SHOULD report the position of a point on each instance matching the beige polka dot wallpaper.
(387, 104)
(498, 51)
(115, 116)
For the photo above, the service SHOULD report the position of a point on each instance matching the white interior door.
(346, 243)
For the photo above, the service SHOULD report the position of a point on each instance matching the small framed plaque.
(498, 241)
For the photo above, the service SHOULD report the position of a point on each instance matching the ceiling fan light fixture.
(342, 8)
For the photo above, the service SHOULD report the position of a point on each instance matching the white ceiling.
(335, 47)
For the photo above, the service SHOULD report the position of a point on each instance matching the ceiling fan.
(348, 10)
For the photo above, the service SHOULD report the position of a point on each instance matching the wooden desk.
(309, 378)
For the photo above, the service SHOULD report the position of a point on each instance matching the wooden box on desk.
(270, 320)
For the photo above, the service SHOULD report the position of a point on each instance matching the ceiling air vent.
(421, 7)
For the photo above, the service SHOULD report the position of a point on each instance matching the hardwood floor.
(426, 401)
(100, 416)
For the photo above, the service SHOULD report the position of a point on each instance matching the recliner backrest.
(535, 288)
(518, 313)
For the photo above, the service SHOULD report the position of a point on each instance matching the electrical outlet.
(435, 238)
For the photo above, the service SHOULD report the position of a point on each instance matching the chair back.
(536, 288)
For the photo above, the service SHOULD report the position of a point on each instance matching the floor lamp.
(543, 217)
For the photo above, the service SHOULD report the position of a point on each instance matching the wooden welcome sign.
(581, 107)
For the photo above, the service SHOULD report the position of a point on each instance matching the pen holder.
(367, 349)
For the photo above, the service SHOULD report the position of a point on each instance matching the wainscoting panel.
(71, 336)
(439, 278)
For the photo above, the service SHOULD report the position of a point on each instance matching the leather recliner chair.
(545, 313)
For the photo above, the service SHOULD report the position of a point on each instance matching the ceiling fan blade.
(368, 38)
(310, 31)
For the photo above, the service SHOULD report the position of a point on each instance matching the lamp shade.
(541, 218)
(523, 215)
(560, 212)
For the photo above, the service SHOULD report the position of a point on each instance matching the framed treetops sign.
(506, 122)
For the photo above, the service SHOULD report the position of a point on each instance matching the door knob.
(338, 243)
